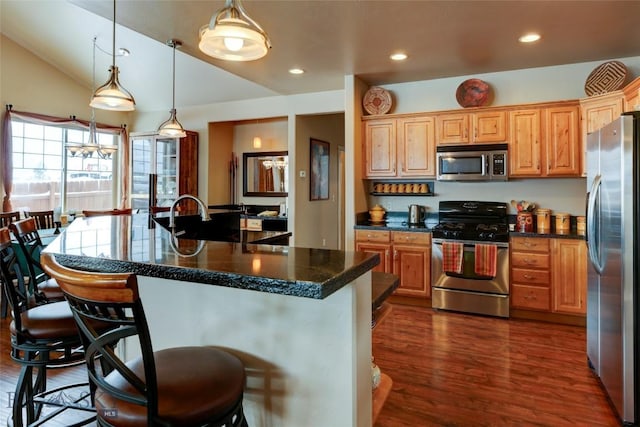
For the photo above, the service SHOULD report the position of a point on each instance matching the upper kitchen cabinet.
(162, 168)
(545, 141)
(632, 96)
(600, 110)
(399, 147)
(480, 127)
(562, 139)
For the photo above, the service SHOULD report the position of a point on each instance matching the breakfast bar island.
(298, 318)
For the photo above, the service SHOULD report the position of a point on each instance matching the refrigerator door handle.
(593, 243)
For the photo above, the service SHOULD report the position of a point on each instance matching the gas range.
(472, 221)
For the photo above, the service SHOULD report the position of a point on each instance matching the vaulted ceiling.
(327, 38)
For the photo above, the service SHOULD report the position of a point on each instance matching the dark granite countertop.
(133, 243)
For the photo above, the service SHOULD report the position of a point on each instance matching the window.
(46, 175)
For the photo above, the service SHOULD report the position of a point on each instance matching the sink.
(223, 226)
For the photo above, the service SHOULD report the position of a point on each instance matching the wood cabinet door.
(382, 249)
(412, 263)
(562, 141)
(416, 147)
(601, 111)
(569, 276)
(490, 127)
(380, 148)
(452, 129)
(524, 143)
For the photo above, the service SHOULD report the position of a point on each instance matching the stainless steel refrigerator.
(613, 163)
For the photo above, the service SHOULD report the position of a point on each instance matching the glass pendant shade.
(233, 36)
(111, 95)
(172, 127)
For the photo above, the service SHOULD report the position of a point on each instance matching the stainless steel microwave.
(472, 162)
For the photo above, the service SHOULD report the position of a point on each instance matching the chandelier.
(278, 164)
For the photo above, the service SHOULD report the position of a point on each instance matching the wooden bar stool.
(26, 233)
(42, 337)
(185, 386)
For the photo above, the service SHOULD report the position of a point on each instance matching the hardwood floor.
(451, 369)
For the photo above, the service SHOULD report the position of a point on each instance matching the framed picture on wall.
(319, 170)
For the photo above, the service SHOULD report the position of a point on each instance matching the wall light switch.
(303, 174)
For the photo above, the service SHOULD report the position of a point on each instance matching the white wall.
(557, 194)
(33, 85)
(316, 224)
(542, 84)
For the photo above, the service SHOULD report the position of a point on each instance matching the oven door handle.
(470, 243)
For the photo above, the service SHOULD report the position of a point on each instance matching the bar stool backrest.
(13, 284)
(44, 219)
(7, 218)
(26, 233)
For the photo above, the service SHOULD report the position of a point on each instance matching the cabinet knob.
(526, 276)
(530, 261)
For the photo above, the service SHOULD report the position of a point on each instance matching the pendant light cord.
(173, 44)
(113, 51)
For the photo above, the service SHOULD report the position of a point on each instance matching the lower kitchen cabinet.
(412, 263)
(530, 275)
(549, 275)
(376, 242)
(405, 254)
(569, 276)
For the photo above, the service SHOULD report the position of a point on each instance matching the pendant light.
(91, 146)
(172, 127)
(111, 95)
(233, 36)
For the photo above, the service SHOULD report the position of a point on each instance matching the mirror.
(266, 174)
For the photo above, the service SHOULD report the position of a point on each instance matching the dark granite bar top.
(134, 243)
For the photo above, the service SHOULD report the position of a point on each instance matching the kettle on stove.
(417, 214)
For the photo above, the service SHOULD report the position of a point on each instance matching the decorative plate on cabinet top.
(377, 101)
(473, 93)
(606, 78)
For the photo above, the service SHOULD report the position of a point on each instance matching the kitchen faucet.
(204, 211)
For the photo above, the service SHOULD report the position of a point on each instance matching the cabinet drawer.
(530, 260)
(373, 236)
(530, 297)
(408, 237)
(530, 277)
(529, 244)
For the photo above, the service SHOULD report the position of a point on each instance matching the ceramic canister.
(581, 225)
(543, 220)
(524, 222)
(563, 222)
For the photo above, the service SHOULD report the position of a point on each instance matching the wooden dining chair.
(183, 386)
(26, 233)
(90, 213)
(43, 336)
(44, 219)
(7, 218)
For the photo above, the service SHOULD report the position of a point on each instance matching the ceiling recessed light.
(296, 71)
(529, 38)
(398, 56)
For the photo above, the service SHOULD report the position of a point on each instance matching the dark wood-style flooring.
(452, 369)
